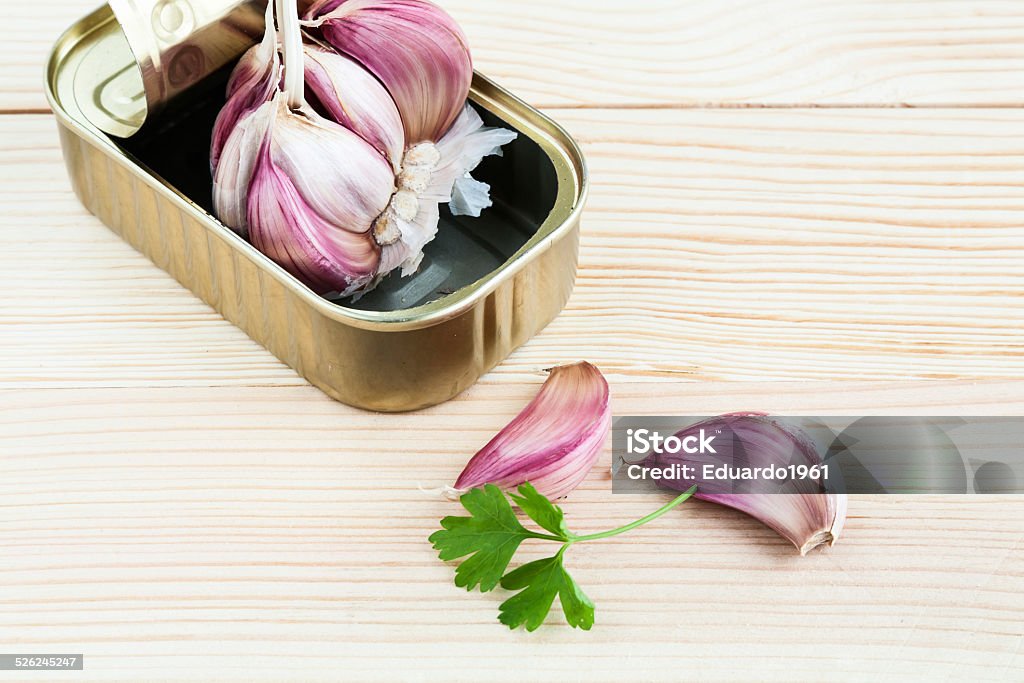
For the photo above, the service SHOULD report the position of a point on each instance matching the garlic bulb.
(310, 163)
(414, 47)
(556, 440)
(801, 511)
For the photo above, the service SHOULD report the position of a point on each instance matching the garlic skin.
(414, 47)
(797, 511)
(253, 83)
(554, 442)
(437, 174)
(462, 149)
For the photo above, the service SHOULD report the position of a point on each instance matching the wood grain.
(695, 53)
(175, 503)
(871, 244)
(246, 532)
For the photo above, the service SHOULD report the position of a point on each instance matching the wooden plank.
(721, 244)
(701, 52)
(266, 532)
(174, 501)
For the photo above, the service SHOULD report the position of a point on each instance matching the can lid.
(167, 47)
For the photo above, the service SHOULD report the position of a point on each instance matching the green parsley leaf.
(492, 536)
(539, 582)
(541, 510)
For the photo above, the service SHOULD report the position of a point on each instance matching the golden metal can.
(486, 286)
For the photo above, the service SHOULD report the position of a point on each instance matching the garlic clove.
(798, 511)
(233, 172)
(292, 234)
(304, 190)
(349, 95)
(554, 442)
(347, 181)
(312, 217)
(252, 84)
(414, 47)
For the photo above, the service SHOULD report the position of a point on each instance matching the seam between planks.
(683, 106)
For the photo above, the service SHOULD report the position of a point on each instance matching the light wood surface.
(167, 531)
(699, 52)
(175, 503)
(718, 244)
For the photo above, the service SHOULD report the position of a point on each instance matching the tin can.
(176, 44)
(486, 287)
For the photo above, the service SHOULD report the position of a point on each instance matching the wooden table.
(802, 206)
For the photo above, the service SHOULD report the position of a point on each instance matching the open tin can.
(136, 143)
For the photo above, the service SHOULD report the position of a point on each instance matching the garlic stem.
(294, 57)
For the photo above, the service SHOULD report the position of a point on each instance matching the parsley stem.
(640, 522)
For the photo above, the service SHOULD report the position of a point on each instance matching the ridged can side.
(372, 369)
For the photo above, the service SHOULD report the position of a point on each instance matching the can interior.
(524, 184)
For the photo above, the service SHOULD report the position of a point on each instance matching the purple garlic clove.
(414, 47)
(556, 440)
(801, 511)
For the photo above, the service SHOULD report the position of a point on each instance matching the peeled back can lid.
(167, 47)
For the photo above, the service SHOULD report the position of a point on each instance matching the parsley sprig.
(490, 538)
